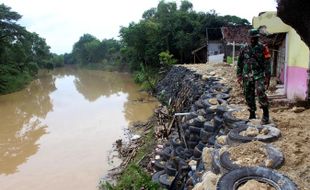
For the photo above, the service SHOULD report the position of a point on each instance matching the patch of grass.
(134, 176)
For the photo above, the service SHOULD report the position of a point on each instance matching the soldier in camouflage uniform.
(253, 71)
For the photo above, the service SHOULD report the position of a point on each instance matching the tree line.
(165, 35)
(22, 52)
(166, 28)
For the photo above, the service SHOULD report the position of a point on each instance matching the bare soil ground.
(292, 119)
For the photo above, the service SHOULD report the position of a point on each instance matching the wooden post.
(233, 53)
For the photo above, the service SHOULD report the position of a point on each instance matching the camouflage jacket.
(254, 62)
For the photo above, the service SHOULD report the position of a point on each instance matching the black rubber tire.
(233, 179)
(215, 164)
(209, 116)
(183, 167)
(220, 88)
(234, 135)
(176, 142)
(199, 104)
(191, 144)
(187, 154)
(205, 135)
(201, 145)
(170, 168)
(208, 94)
(234, 124)
(197, 122)
(179, 151)
(217, 88)
(223, 96)
(211, 140)
(272, 153)
(200, 167)
(155, 177)
(201, 112)
(276, 155)
(184, 126)
(163, 180)
(209, 127)
(194, 137)
(218, 122)
(221, 101)
(221, 110)
(193, 108)
(229, 118)
(195, 158)
(217, 145)
(211, 110)
(197, 152)
(208, 104)
(158, 166)
(221, 132)
(166, 153)
(192, 115)
(195, 130)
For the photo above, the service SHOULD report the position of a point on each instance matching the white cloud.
(62, 22)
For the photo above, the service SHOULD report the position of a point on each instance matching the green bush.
(10, 83)
(166, 59)
(33, 68)
(133, 178)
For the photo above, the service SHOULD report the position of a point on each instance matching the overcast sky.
(63, 22)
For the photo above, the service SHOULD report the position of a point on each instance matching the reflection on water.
(20, 123)
(56, 133)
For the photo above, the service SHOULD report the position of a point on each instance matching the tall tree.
(21, 52)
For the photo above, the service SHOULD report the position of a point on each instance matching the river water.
(57, 133)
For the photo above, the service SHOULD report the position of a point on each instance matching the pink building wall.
(297, 83)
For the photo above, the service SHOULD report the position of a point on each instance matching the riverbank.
(184, 85)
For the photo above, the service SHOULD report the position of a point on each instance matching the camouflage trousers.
(249, 88)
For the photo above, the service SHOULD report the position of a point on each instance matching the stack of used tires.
(214, 127)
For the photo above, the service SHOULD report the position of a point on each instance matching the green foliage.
(89, 50)
(166, 59)
(33, 68)
(12, 79)
(133, 178)
(21, 52)
(58, 60)
(169, 28)
(147, 78)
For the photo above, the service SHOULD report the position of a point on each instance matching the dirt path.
(294, 123)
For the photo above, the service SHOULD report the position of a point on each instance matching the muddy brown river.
(57, 133)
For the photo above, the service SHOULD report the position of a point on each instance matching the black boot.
(252, 114)
(265, 119)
